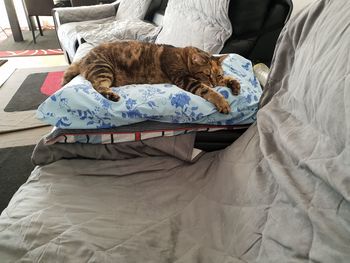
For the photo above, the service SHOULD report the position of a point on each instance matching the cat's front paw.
(223, 107)
(111, 96)
(234, 85)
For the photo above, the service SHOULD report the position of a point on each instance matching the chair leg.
(39, 26)
(32, 28)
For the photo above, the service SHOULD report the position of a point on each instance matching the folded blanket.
(113, 30)
(180, 147)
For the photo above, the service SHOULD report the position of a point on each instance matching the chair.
(37, 8)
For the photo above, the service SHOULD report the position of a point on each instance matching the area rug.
(15, 167)
(3, 61)
(35, 52)
(34, 90)
(21, 120)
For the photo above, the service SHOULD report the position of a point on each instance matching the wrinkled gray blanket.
(280, 193)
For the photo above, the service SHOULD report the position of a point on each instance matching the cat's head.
(205, 67)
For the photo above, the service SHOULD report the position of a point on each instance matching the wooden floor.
(32, 135)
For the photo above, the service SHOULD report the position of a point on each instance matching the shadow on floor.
(48, 41)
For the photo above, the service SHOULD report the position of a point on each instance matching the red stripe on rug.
(35, 52)
(52, 83)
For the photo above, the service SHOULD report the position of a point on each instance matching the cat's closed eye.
(207, 72)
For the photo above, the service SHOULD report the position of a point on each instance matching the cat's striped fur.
(132, 62)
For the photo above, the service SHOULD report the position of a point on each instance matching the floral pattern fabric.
(79, 106)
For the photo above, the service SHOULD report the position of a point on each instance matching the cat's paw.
(111, 96)
(234, 85)
(223, 107)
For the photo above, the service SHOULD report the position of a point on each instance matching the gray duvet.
(280, 193)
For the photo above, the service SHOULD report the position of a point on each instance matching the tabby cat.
(132, 62)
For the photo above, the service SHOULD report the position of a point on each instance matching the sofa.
(256, 25)
(254, 34)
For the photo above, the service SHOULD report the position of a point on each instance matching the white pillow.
(130, 9)
(203, 24)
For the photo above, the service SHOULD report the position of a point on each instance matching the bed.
(279, 193)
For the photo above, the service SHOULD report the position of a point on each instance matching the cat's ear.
(198, 59)
(220, 59)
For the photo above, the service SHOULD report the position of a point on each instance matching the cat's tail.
(72, 71)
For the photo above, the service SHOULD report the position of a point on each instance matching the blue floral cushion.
(79, 106)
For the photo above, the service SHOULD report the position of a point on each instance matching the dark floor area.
(47, 41)
(2, 61)
(15, 167)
